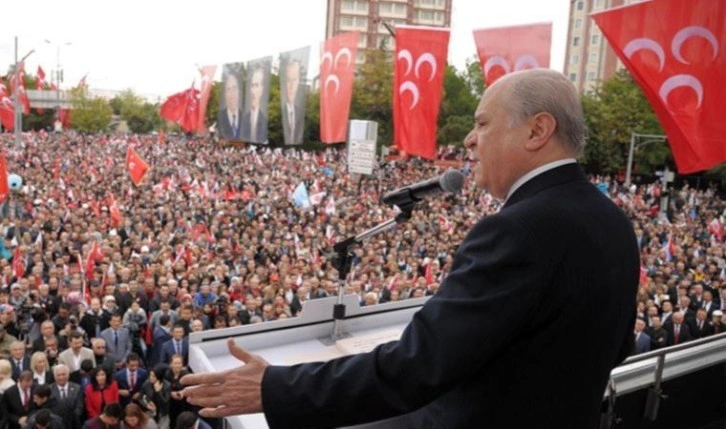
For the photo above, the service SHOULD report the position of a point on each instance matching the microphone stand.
(344, 260)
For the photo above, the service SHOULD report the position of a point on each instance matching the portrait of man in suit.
(292, 75)
(230, 113)
(254, 124)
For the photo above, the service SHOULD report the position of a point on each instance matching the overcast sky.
(152, 46)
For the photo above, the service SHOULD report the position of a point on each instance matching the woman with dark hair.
(101, 391)
(155, 395)
(178, 403)
(136, 418)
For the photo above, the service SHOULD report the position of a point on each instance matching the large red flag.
(17, 83)
(40, 79)
(675, 51)
(136, 165)
(182, 108)
(506, 49)
(337, 69)
(419, 74)
(205, 92)
(7, 109)
(4, 188)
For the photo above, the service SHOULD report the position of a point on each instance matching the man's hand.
(231, 392)
(123, 392)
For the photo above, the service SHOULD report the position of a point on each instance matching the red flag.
(17, 84)
(507, 49)
(136, 165)
(418, 79)
(114, 211)
(205, 92)
(4, 188)
(40, 79)
(337, 69)
(65, 117)
(18, 263)
(7, 109)
(82, 83)
(675, 51)
(182, 108)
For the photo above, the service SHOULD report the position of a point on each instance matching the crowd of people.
(102, 281)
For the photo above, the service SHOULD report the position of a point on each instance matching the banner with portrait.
(293, 88)
(230, 104)
(254, 124)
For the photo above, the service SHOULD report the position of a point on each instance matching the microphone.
(451, 181)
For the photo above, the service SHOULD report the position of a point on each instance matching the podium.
(307, 338)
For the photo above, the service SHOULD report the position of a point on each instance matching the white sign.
(361, 156)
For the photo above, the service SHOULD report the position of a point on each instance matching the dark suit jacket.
(685, 334)
(12, 406)
(72, 407)
(39, 344)
(705, 331)
(297, 137)
(16, 369)
(224, 128)
(492, 338)
(122, 379)
(167, 351)
(260, 129)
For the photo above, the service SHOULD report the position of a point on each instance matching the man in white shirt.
(76, 353)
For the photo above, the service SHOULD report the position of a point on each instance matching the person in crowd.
(18, 359)
(42, 373)
(177, 345)
(43, 400)
(136, 418)
(17, 401)
(118, 339)
(102, 390)
(189, 420)
(68, 395)
(177, 403)
(45, 419)
(156, 395)
(75, 353)
(6, 376)
(642, 341)
(110, 418)
(130, 379)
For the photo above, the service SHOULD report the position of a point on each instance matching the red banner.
(337, 69)
(205, 92)
(675, 51)
(4, 187)
(17, 81)
(182, 108)
(136, 165)
(418, 79)
(40, 79)
(506, 49)
(7, 109)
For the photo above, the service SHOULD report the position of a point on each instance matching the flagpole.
(16, 94)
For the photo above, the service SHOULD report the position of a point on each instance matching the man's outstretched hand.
(231, 392)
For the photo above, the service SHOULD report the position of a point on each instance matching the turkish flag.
(205, 92)
(136, 165)
(114, 211)
(418, 79)
(190, 119)
(40, 79)
(506, 49)
(7, 109)
(675, 51)
(182, 108)
(17, 83)
(18, 264)
(4, 188)
(337, 70)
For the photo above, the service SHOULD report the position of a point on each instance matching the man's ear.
(541, 128)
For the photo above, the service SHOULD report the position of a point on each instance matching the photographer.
(135, 321)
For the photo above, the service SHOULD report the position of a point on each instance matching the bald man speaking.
(503, 343)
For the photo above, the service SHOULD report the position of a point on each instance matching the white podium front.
(307, 338)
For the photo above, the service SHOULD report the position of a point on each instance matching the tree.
(140, 116)
(89, 115)
(474, 77)
(457, 108)
(613, 112)
(274, 117)
(213, 103)
(373, 93)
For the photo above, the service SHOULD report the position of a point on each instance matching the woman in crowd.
(42, 373)
(101, 391)
(6, 375)
(155, 395)
(135, 418)
(178, 403)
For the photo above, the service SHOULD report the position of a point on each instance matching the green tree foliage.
(140, 116)
(458, 103)
(474, 77)
(613, 112)
(274, 114)
(213, 103)
(89, 114)
(373, 93)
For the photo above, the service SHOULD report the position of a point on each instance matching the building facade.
(589, 59)
(370, 16)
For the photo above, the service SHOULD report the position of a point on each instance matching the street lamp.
(58, 73)
(16, 94)
(653, 138)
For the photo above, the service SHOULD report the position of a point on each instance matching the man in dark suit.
(493, 337)
(19, 361)
(678, 332)
(229, 117)
(18, 401)
(47, 331)
(130, 379)
(68, 396)
(642, 340)
(293, 113)
(700, 327)
(178, 345)
(254, 124)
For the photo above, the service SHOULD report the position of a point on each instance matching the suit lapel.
(556, 176)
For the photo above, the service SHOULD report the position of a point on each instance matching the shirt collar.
(537, 171)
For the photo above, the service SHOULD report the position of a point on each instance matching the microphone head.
(452, 181)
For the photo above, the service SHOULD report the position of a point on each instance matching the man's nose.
(470, 140)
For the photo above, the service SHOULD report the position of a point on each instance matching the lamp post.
(58, 74)
(653, 138)
(16, 94)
